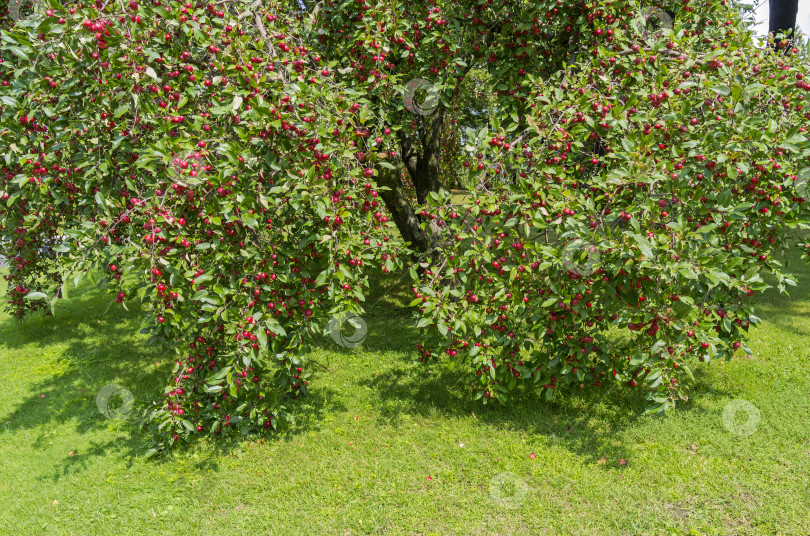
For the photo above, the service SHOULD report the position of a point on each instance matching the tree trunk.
(402, 212)
(425, 174)
(423, 168)
(782, 16)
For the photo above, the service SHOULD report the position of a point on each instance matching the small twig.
(324, 366)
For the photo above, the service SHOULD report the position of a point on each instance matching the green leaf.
(262, 336)
(9, 101)
(752, 89)
(627, 144)
(688, 371)
(644, 246)
(199, 295)
(364, 114)
(321, 279)
(273, 325)
(655, 408)
(19, 52)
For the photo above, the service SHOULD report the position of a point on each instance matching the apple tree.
(630, 205)
(233, 166)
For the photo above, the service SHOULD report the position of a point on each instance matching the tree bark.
(425, 174)
(397, 204)
(782, 16)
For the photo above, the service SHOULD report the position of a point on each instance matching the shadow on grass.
(205, 453)
(386, 322)
(96, 346)
(101, 346)
(584, 422)
(782, 309)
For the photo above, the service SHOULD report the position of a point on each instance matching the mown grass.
(386, 446)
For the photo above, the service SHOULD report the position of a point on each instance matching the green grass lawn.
(384, 446)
